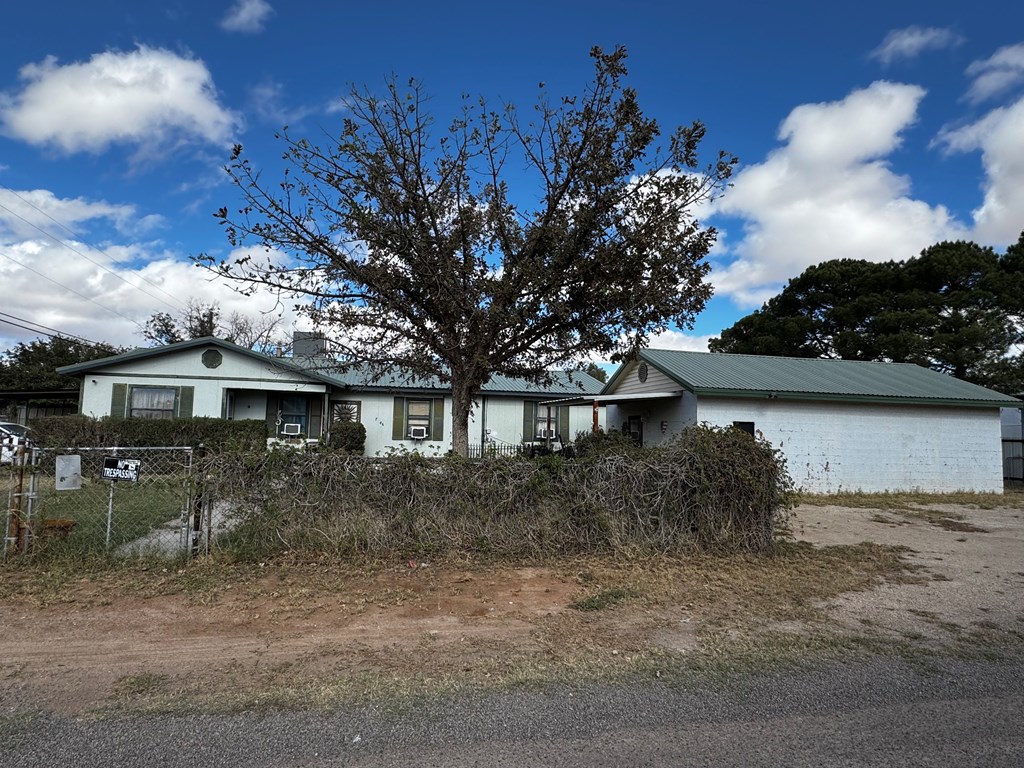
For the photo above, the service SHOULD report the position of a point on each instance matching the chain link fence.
(122, 501)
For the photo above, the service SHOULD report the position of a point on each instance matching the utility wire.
(47, 330)
(177, 304)
(80, 295)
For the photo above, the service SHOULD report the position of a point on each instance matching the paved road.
(877, 713)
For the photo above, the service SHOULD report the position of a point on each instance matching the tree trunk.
(462, 405)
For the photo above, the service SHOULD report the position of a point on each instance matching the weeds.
(714, 489)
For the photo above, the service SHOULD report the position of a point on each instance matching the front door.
(636, 429)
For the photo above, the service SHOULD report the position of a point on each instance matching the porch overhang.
(611, 399)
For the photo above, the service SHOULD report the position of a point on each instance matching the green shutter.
(398, 420)
(529, 421)
(437, 424)
(119, 400)
(272, 401)
(563, 424)
(186, 397)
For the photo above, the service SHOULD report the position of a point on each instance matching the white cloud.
(1000, 137)
(109, 295)
(998, 73)
(23, 213)
(246, 16)
(681, 341)
(148, 97)
(268, 102)
(827, 194)
(910, 42)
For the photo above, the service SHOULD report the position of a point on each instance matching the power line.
(46, 329)
(70, 247)
(66, 288)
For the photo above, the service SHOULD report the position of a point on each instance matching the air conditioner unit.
(418, 433)
(291, 429)
(544, 433)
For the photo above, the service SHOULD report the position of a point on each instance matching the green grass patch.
(135, 510)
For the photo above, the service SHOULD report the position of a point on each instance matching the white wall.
(186, 369)
(504, 415)
(834, 447)
(662, 418)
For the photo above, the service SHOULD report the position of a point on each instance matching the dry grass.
(736, 611)
(909, 502)
(933, 508)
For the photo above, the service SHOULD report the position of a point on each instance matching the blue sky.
(864, 130)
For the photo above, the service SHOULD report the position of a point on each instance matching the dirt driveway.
(287, 633)
(972, 561)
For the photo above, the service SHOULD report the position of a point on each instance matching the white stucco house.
(304, 394)
(842, 424)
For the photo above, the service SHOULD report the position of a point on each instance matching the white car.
(9, 436)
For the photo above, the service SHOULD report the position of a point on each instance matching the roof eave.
(844, 398)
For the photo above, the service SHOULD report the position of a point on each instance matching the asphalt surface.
(882, 712)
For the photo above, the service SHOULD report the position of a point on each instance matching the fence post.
(13, 534)
(197, 503)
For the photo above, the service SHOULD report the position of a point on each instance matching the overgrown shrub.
(601, 443)
(348, 437)
(712, 489)
(83, 431)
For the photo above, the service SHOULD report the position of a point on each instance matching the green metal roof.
(324, 370)
(565, 383)
(142, 353)
(797, 378)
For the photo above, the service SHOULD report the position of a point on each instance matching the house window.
(417, 418)
(348, 410)
(152, 403)
(147, 402)
(537, 425)
(293, 416)
(546, 427)
(745, 426)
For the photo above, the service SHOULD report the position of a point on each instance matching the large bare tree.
(408, 244)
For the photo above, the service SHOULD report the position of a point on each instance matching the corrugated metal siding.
(790, 375)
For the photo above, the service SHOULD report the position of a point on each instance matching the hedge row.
(215, 434)
(711, 489)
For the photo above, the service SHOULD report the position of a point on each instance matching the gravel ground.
(881, 712)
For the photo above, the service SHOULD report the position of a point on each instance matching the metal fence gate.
(121, 501)
(1013, 462)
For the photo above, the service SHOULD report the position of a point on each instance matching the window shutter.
(186, 397)
(272, 413)
(529, 421)
(437, 423)
(119, 400)
(563, 424)
(398, 420)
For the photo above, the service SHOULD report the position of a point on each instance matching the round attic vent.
(212, 358)
(641, 372)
